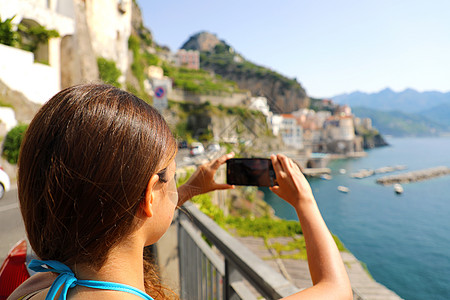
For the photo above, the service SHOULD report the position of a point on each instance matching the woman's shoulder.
(32, 286)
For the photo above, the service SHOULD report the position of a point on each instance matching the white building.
(109, 23)
(292, 132)
(275, 122)
(87, 29)
(260, 104)
(37, 81)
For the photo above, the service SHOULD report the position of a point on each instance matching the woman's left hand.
(202, 181)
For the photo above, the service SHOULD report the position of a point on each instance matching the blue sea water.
(403, 239)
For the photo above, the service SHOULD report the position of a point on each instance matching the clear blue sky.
(330, 46)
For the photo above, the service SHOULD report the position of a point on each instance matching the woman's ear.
(148, 200)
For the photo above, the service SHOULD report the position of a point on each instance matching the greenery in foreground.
(265, 227)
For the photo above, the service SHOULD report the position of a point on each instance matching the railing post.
(231, 275)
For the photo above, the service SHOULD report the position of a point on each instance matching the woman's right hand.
(330, 280)
(292, 185)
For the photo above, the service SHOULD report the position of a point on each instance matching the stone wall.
(234, 99)
(109, 25)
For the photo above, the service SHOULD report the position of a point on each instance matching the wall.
(36, 81)
(7, 120)
(110, 27)
(53, 14)
(235, 99)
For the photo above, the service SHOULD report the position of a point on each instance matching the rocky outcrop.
(202, 41)
(284, 94)
(23, 108)
(374, 141)
(282, 97)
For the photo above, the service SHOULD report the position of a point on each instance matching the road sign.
(160, 98)
(160, 92)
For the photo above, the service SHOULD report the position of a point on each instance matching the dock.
(364, 173)
(414, 176)
(316, 172)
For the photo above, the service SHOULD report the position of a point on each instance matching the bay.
(403, 239)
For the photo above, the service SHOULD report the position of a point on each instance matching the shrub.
(7, 35)
(108, 71)
(13, 140)
(35, 35)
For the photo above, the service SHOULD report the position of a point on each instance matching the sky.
(330, 46)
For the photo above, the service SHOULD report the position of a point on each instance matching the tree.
(13, 140)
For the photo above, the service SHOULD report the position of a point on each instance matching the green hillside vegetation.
(224, 60)
(195, 120)
(195, 81)
(199, 81)
(400, 124)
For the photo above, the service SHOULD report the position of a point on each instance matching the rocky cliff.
(284, 95)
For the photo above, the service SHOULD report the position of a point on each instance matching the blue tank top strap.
(67, 280)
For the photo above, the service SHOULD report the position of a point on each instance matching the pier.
(364, 173)
(414, 176)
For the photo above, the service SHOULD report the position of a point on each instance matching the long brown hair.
(84, 165)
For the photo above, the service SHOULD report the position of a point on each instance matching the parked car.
(197, 149)
(5, 183)
(182, 144)
(214, 147)
(14, 269)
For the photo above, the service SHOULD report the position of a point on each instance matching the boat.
(398, 188)
(326, 177)
(342, 171)
(343, 189)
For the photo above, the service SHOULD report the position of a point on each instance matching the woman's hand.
(202, 181)
(292, 185)
(327, 270)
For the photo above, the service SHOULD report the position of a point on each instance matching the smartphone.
(251, 171)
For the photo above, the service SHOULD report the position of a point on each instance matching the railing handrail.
(265, 279)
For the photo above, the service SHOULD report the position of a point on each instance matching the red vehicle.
(14, 269)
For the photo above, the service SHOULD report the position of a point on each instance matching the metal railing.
(204, 274)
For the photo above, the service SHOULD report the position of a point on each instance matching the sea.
(403, 239)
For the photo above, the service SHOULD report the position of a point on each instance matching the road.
(11, 224)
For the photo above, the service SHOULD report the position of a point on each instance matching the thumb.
(223, 186)
(275, 189)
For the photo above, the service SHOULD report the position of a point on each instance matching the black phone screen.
(250, 171)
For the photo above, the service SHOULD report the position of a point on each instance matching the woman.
(96, 185)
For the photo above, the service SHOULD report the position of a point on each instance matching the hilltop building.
(188, 58)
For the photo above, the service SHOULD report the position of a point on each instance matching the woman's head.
(84, 166)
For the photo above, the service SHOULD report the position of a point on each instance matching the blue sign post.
(160, 98)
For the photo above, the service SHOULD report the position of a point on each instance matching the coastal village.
(85, 34)
(87, 41)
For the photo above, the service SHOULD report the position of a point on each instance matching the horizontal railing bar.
(265, 279)
(242, 291)
(204, 247)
